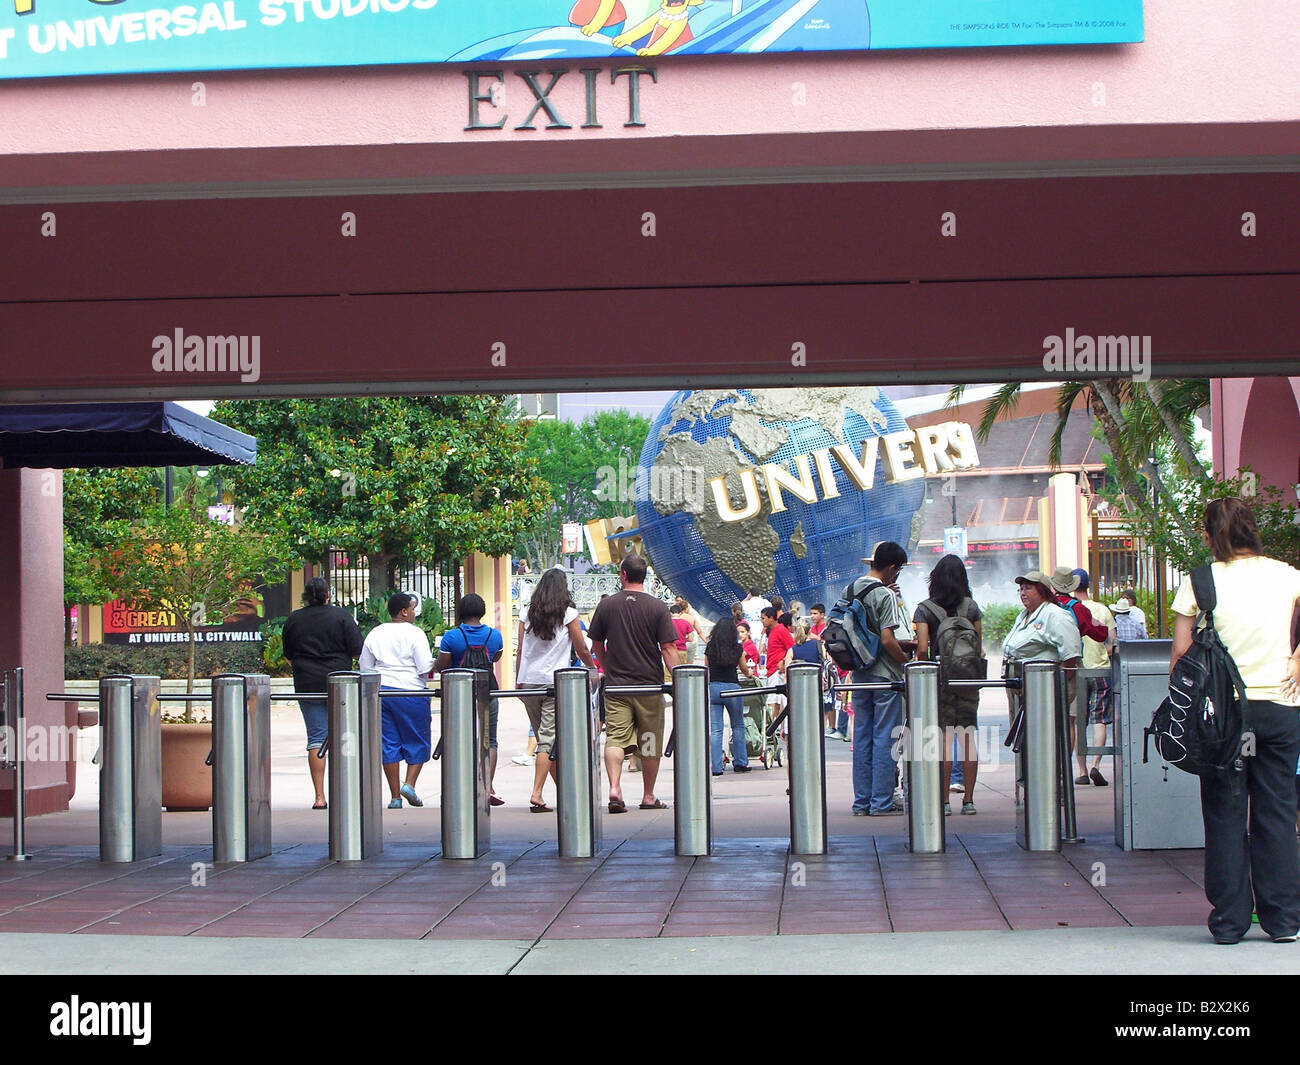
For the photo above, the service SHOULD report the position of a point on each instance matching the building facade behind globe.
(808, 552)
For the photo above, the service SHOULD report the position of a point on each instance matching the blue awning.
(59, 436)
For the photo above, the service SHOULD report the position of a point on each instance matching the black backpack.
(476, 657)
(1198, 727)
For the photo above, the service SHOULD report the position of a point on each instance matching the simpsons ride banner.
(49, 38)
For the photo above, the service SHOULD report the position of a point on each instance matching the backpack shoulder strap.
(936, 610)
(1203, 588)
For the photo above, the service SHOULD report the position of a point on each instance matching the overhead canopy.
(59, 436)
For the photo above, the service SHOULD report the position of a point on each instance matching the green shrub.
(169, 661)
(374, 611)
(998, 619)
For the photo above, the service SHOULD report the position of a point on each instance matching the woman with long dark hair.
(550, 633)
(726, 662)
(1255, 599)
(958, 708)
(318, 640)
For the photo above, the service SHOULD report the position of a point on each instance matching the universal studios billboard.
(52, 38)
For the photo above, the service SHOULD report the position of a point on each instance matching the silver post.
(692, 800)
(130, 776)
(1039, 825)
(577, 766)
(13, 698)
(465, 828)
(241, 768)
(807, 755)
(924, 750)
(356, 825)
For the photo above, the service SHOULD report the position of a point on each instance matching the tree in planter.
(180, 561)
(402, 480)
(98, 508)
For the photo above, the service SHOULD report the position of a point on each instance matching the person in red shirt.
(1065, 582)
(684, 629)
(818, 625)
(779, 641)
(747, 645)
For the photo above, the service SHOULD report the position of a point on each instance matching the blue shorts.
(316, 716)
(406, 728)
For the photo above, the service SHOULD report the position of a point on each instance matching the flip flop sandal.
(320, 806)
(539, 808)
(617, 806)
(656, 805)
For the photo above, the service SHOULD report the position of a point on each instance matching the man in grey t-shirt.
(877, 715)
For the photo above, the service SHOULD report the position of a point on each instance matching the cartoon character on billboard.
(598, 16)
(668, 27)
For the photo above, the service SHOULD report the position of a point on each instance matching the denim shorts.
(316, 717)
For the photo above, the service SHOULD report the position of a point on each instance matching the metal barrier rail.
(11, 718)
(204, 697)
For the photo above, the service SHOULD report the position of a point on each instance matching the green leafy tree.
(402, 480)
(98, 508)
(181, 561)
(590, 471)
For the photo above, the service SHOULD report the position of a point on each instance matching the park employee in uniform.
(634, 641)
(1042, 630)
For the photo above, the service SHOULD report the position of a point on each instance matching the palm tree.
(1133, 420)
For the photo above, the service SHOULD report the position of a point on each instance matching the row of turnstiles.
(130, 788)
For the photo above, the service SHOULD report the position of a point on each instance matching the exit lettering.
(485, 89)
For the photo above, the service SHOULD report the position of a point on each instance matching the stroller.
(758, 718)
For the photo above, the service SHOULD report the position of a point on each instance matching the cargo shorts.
(635, 723)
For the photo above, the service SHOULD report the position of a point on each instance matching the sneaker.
(898, 798)
(408, 793)
(741, 768)
(897, 808)
(1085, 779)
(830, 732)
(1095, 775)
(959, 788)
(861, 813)
(523, 759)
(947, 809)
(396, 804)
(1285, 939)
(968, 807)
(845, 737)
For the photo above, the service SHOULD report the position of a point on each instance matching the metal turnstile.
(807, 754)
(692, 786)
(13, 742)
(923, 754)
(1157, 807)
(130, 774)
(241, 767)
(578, 760)
(466, 790)
(355, 752)
(1038, 823)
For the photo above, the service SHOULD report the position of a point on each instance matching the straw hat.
(1122, 607)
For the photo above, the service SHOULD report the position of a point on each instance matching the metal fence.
(349, 577)
(1121, 559)
(587, 589)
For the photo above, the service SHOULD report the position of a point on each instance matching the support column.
(31, 633)
(490, 578)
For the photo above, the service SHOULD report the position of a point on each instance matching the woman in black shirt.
(724, 658)
(319, 640)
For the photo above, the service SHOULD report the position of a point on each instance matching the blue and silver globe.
(807, 552)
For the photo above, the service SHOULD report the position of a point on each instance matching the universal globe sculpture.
(805, 550)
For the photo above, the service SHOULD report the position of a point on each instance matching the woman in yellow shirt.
(1256, 597)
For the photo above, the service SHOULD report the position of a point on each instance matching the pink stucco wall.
(31, 624)
(1204, 62)
(1256, 423)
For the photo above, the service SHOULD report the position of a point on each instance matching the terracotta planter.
(186, 781)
